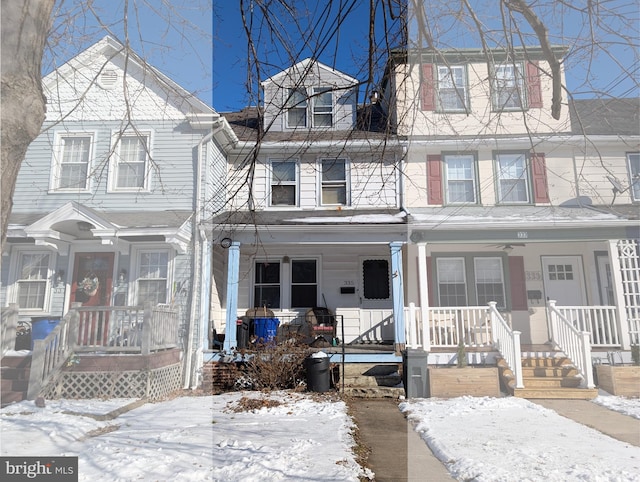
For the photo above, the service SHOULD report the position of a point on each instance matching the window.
(334, 181)
(508, 87)
(489, 281)
(33, 276)
(633, 159)
(376, 279)
(153, 269)
(131, 162)
(267, 284)
(454, 275)
(513, 178)
(460, 178)
(284, 183)
(304, 284)
(452, 93)
(297, 108)
(322, 107)
(72, 162)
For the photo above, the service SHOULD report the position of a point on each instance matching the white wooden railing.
(572, 341)
(507, 342)
(601, 322)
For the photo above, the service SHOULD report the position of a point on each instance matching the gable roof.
(306, 67)
(98, 68)
(605, 116)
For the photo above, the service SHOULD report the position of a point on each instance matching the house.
(107, 207)
(314, 215)
(516, 204)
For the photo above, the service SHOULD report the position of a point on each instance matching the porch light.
(225, 242)
(507, 248)
(122, 276)
(60, 277)
(285, 260)
(374, 97)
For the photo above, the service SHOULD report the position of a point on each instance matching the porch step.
(546, 377)
(14, 379)
(371, 380)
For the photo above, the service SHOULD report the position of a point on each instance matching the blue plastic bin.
(265, 329)
(41, 327)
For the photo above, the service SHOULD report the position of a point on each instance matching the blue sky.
(216, 71)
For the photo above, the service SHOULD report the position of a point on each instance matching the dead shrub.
(275, 367)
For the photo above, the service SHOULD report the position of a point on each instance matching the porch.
(109, 351)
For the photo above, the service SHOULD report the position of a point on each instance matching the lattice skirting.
(151, 384)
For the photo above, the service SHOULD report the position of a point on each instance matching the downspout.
(190, 379)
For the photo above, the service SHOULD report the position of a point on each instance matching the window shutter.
(539, 170)
(534, 91)
(427, 90)
(434, 179)
(430, 284)
(518, 284)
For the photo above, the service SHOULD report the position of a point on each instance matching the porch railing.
(572, 341)
(104, 329)
(507, 342)
(9, 327)
(601, 322)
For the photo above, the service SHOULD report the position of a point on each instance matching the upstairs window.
(153, 278)
(131, 164)
(33, 279)
(334, 182)
(460, 183)
(297, 108)
(322, 107)
(633, 160)
(72, 162)
(508, 87)
(513, 178)
(284, 183)
(452, 92)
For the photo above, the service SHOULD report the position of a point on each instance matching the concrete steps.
(546, 377)
(14, 379)
(372, 380)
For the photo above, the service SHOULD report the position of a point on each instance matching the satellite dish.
(617, 187)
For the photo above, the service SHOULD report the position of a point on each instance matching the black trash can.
(243, 331)
(318, 373)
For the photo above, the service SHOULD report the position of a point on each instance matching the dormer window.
(322, 107)
(297, 108)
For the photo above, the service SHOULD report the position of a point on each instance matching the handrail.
(9, 326)
(600, 321)
(574, 343)
(507, 342)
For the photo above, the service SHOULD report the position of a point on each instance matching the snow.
(254, 436)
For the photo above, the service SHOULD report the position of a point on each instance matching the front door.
(92, 279)
(563, 280)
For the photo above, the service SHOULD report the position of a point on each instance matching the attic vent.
(108, 79)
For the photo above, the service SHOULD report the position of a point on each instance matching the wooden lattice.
(151, 384)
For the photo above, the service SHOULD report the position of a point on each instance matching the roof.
(605, 116)
(304, 67)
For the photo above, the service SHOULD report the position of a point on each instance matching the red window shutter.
(539, 170)
(434, 179)
(427, 90)
(518, 284)
(432, 295)
(534, 91)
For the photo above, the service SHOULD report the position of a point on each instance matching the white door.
(563, 280)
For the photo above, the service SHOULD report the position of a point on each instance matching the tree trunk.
(25, 26)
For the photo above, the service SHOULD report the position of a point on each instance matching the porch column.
(423, 285)
(233, 276)
(397, 292)
(619, 295)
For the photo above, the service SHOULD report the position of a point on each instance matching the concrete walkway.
(398, 454)
(614, 424)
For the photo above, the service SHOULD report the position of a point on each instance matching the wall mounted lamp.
(225, 242)
(122, 276)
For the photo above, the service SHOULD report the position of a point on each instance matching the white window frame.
(634, 174)
(333, 183)
(115, 162)
(322, 110)
(452, 176)
(16, 270)
(476, 272)
(453, 79)
(137, 254)
(506, 174)
(295, 183)
(439, 282)
(294, 105)
(512, 85)
(59, 160)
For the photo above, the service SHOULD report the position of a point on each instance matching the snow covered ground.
(249, 436)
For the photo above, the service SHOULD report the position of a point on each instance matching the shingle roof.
(605, 116)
